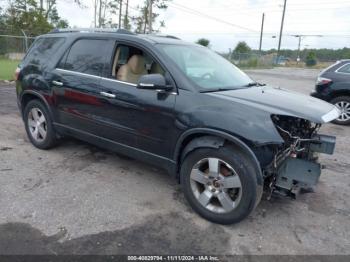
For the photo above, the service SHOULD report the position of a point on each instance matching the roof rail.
(90, 30)
(166, 36)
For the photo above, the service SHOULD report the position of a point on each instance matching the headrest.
(156, 69)
(137, 64)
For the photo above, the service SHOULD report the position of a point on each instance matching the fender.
(216, 140)
(203, 141)
(41, 98)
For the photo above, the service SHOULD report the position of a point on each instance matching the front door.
(136, 117)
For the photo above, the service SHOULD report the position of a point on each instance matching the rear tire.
(232, 196)
(38, 125)
(343, 103)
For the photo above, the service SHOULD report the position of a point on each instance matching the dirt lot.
(78, 199)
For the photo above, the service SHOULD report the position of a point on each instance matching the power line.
(268, 5)
(318, 22)
(275, 8)
(254, 11)
(192, 11)
(257, 35)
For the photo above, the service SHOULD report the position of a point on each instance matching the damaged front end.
(294, 166)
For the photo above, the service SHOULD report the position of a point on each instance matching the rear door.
(76, 85)
(340, 77)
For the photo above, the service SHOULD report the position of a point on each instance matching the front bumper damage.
(294, 174)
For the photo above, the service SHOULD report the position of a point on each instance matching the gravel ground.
(79, 199)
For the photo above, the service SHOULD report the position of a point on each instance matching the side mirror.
(153, 82)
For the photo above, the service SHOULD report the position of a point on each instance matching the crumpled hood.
(282, 102)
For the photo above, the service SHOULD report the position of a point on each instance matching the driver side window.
(130, 63)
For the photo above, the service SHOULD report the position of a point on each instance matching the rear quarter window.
(42, 50)
(344, 69)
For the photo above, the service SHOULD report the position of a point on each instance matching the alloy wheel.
(37, 124)
(216, 185)
(344, 108)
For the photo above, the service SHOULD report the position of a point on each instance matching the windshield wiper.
(232, 88)
(254, 84)
(218, 90)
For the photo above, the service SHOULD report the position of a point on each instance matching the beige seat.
(156, 69)
(133, 70)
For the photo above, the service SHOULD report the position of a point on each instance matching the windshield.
(205, 68)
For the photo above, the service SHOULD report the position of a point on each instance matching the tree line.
(37, 17)
(323, 54)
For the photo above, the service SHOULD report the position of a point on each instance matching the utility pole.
(95, 13)
(100, 14)
(261, 32)
(120, 14)
(25, 40)
(150, 16)
(298, 57)
(299, 43)
(281, 31)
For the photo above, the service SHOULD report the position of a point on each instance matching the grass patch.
(7, 68)
(319, 65)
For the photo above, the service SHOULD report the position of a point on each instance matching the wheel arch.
(205, 137)
(30, 95)
(337, 93)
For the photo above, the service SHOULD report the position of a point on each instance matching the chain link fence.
(251, 60)
(269, 60)
(14, 47)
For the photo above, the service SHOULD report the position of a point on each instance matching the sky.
(325, 24)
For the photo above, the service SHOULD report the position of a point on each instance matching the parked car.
(179, 106)
(333, 86)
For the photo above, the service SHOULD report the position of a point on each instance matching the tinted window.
(345, 69)
(63, 60)
(87, 56)
(42, 50)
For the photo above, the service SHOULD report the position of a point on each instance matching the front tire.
(343, 104)
(38, 125)
(220, 184)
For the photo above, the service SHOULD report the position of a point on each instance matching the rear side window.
(86, 56)
(344, 69)
(43, 49)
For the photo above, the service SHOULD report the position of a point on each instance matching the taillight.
(18, 70)
(323, 81)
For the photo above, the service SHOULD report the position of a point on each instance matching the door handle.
(57, 83)
(106, 94)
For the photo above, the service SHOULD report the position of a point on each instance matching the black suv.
(333, 86)
(179, 106)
